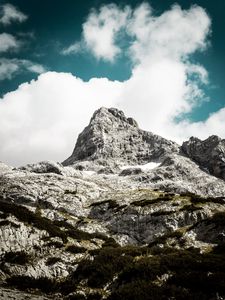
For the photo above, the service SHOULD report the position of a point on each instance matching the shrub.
(110, 242)
(77, 297)
(190, 208)
(218, 219)
(52, 260)
(161, 213)
(75, 249)
(103, 268)
(95, 296)
(7, 222)
(146, 268)
(55, 244)
(162, 239)
(18, 257)
(44, 284)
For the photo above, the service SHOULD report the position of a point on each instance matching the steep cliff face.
(209, 154)
(114, 139)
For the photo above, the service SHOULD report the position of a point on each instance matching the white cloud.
(10, 67)
(73, 49)
(8, 42)
(101, 31)
(175, 34)
(41, 119)
(9, 14)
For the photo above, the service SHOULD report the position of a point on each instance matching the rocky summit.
(129, 215)
(113, 140)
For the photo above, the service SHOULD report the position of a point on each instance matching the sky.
(161, 62)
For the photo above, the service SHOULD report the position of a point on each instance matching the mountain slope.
(209, 154)
(129, 215)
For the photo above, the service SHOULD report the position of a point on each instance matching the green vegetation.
(25, 215)
(218, 219)
(145, 202)
(75, 249)
(136, 273)
(162, 239)
(55, 244)
(107, 263)
(162, 213)
(70, 192)
(190, 208)
(42, 283)
(61, 229)
(153, 272)
(52, 260)
(18, 257)
(7, 222)
(111, 204)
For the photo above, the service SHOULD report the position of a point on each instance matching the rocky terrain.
(129, 215)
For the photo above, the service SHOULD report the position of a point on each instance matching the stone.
(209, 154)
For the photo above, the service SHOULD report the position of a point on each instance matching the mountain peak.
(208, 153)
(113, 114)
(112, 138)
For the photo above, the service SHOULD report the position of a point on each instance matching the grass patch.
(146, 202)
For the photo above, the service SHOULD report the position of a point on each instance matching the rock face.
(112, 139)
(209, 154)
(92, 227)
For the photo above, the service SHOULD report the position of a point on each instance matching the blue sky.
(163, 64)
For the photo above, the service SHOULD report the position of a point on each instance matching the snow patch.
(146, 167)
(89, 173)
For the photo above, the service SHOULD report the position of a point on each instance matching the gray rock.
(43, 167)
(112, 139)
(209, 154)
(104, 189)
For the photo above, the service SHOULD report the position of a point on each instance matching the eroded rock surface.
(111, 139)
(209, 154)
(124, 197)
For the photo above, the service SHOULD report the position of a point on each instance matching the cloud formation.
(8, 42)
(9, 14)
(10, 67)
(73, 49)
(41, 119)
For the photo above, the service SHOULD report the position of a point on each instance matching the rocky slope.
(112, 140)
(209, 154)
(130, 215)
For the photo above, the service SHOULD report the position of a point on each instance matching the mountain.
(112, 139)
(209, 154)
(113, 143)
(129, 215)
